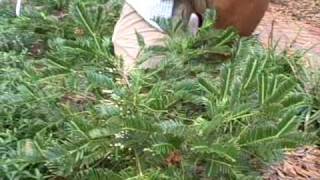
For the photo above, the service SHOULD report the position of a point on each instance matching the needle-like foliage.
(217, 107)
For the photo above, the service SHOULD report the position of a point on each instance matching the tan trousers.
(125, 39)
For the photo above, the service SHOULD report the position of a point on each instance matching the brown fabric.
(200, 6)
(244, 15)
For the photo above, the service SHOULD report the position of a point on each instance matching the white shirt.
(152, 9)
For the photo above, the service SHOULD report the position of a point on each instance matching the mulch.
(307, 11)
(295, 26)
(302, 164)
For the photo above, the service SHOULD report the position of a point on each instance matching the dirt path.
(291, 33)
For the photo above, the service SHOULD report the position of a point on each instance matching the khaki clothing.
(125, 39)
(130, 23)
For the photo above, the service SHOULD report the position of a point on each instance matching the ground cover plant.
(218, 107)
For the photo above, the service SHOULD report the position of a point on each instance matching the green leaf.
(228, 151)
(84, 17)
(98, 19)
(100, 80)
(227, 74)
(258, 135)
(141, 40)
(281, 92)
(99, 133)
(250, 72)
(289, 123)
(262, 87)
(208, 87)
(29, 150)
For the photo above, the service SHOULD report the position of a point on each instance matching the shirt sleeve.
(152, 9)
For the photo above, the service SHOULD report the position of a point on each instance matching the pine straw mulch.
(301, 164)
(307, 11)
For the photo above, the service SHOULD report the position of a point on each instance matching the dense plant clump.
(217, 107)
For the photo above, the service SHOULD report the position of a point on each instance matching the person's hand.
(194, 23)
(182, 10)
(18, 7)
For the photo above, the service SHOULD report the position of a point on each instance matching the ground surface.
(295, 24)
(301, 164)
(303, 10)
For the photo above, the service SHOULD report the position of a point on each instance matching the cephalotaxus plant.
(217, 107)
